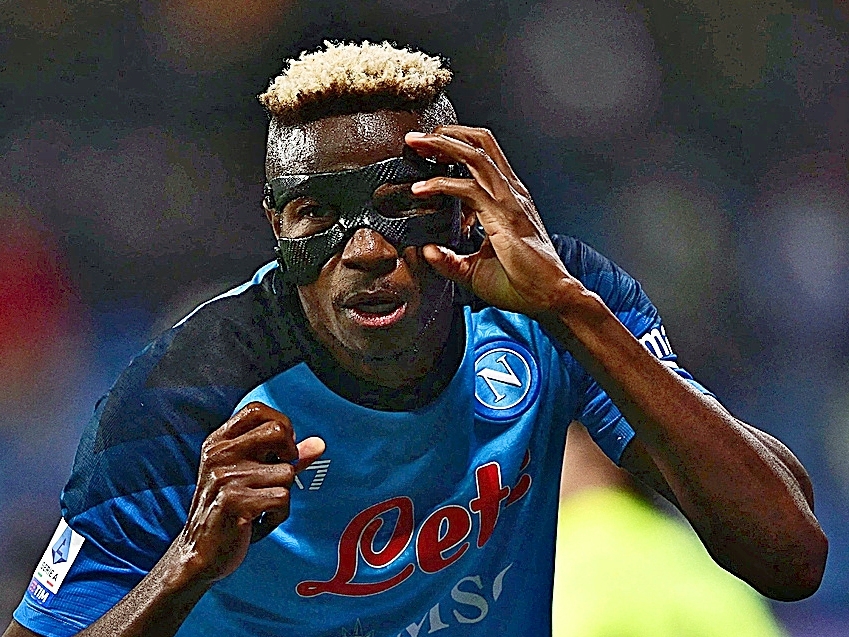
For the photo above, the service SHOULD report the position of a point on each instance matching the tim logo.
(506, 380)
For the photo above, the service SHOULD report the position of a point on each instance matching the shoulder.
(223, 348)
(231, 340)
(147, 430)
(621, 292)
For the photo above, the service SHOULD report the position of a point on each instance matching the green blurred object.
(626, 569)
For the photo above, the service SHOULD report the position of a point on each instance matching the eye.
(305, 216)
(400, 202)
(304, 208)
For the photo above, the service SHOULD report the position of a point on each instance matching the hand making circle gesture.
(517, 267)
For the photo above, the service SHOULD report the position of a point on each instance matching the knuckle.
(282, 498)
(281, 429)
(215, 476)
(287, 474)
(224, 500)
(252, 408)
(219, 478)
(210, 454)
(276, 428)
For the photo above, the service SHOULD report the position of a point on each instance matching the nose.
(368, 250)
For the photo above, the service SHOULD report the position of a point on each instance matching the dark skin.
(746, 495)
(744, 492)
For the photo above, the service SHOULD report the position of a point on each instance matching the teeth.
(378, 308)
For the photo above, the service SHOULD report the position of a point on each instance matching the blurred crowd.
(702, 145)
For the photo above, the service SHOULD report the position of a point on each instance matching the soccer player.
(392, 450)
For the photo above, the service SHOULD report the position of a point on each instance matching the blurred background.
(700, 144)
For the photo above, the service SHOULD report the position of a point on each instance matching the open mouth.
(375, 309)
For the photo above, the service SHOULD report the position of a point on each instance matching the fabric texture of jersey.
(438, 515)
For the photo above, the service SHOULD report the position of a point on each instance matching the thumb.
(447, 263)
(309, 450)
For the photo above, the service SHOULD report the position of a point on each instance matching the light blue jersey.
(436, 518)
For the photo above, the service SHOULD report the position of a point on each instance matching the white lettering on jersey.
(320, 467)
(473, 597)
(657, 343)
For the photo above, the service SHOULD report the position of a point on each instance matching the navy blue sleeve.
(624, 296)
(136, 466)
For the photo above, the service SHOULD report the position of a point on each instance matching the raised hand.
(246, 470)
(517, 267)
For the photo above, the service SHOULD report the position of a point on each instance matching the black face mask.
(342, 202)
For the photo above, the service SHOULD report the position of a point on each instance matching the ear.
(272, 217)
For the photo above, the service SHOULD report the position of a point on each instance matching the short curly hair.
(354, 78)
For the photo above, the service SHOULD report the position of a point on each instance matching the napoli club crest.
(506, 380)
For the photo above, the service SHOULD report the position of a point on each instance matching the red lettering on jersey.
(358, 539)
(443, 532)
(433, 540)
(523, 483)
(488, 503)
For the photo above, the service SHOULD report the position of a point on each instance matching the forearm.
(156, 607)
(744, 493)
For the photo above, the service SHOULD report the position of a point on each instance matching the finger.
(493, 216)
(449, 264)
(266, 523)
(309, 450)
(248, 417)
(484, 139)
(271, 442)
(245, 504)
(469, 191)
(254, 475)
(483, 169)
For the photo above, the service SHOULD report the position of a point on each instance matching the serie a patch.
(54, 565)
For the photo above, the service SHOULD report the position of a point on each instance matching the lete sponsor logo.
(440, 540)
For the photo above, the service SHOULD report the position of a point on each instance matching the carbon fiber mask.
(337, 204)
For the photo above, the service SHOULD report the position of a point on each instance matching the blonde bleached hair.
(349, 78)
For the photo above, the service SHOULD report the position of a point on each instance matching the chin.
(382, 343)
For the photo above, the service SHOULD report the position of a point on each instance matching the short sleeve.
(624, 296)
(136, 466)
(126, 499)
(130, 489)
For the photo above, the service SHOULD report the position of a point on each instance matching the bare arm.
(744, 493)
(245, 471)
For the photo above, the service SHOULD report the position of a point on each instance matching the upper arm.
(637, 460)
(625, 298)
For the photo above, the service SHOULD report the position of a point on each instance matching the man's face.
(370, 304)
